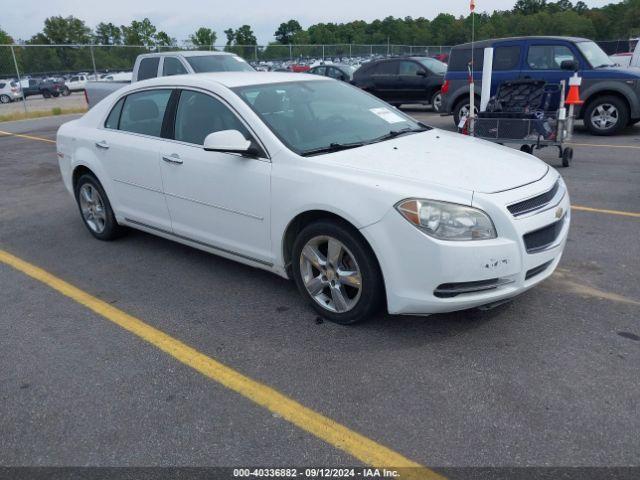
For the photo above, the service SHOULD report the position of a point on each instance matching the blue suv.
(611, 95)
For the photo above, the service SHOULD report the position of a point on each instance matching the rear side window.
(199, 114)
(386, 68)
(409, 68)
(143, 112)
(172, 66)
(334, 73)
(460, 59)
(148, 68)
(548, 57)
(2, 85)
(319, 71)
(506, 58)
(114, 117)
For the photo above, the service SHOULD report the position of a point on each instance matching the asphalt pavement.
(550, 379)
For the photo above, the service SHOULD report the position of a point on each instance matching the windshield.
(218, 63)
(435, 66)
(312, 116)
(594, 54)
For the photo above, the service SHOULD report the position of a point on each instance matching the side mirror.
(570, 65)
(422, 73)
(228, 141)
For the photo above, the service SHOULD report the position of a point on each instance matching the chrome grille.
(534, 203)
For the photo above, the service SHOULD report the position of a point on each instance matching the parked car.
(611, 95)
(630, 59)
(403, 80)
(152, 65)
(337, 71)
(313, 179)
(9, 91)
(47, 88)
(77, 83)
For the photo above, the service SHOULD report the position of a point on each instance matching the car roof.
(186, 53)
(231, 79)
(483, 43)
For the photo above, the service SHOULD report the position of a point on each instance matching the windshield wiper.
(332, 147)
(397, 133)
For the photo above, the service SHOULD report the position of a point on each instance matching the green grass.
(10, 117)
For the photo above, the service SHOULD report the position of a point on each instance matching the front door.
(129, 148)
(543, 61)
(220, 200)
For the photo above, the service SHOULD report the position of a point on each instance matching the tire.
(436, 101)
(338, 298)
(5, 98)
(527, 149)
(567, 156)
(606, 115)
(66, 92)
(46, 94)
(97, 215)
(459, 108)
(56, 94)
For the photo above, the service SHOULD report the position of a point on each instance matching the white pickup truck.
(163, 64)
(629, 59)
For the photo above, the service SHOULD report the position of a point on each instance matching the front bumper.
(424, 275)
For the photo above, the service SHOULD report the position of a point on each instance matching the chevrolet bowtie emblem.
(559, 212)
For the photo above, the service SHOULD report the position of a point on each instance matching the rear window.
(506, 58)
(385, 68)
(461, 57)
(148, 68)
(219, 63)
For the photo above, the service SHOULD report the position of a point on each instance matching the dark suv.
(46, 88)
(611, 95)
(403, 80)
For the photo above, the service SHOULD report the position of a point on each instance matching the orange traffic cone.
(573, 98)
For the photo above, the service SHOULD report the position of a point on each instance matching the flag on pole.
(472, 5)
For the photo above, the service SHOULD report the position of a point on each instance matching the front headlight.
(447, 221)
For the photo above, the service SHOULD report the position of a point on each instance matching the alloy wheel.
(437, 102)
(330, 274)
(92, 207)
(604, 116)
(5, 99)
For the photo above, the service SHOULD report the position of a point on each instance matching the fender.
(612, 86)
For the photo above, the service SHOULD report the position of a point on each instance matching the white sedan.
(315, 180)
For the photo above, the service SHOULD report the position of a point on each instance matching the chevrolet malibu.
(315, 180)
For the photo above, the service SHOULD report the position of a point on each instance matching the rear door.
(411, 83)
(128, 147)
(385, 79)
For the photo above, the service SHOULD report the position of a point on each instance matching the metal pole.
(323, 52)
(93, 60)
(349, 50)
(256, 53)
(15, 63)
(290, 53)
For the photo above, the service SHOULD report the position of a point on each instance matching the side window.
(409, 68)
(114, 117)
(460, 59)
(334, 73)
(172, 66)
(2, 85)
(387, 68)
(143, 112)
(319, 70)
(506, 58)
(148, 68)
(74, 79)
(199, 114)
(548, 57)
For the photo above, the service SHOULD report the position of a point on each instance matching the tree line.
(527, 17)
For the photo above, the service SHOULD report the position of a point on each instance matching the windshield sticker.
(387, 115)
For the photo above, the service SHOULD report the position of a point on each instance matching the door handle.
(173, 158)
(102, 144)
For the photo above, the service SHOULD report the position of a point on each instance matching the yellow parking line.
(30, 137)
(608, 212)
(637, 147)
(341, 437)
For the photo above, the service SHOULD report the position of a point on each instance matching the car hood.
(449, 159)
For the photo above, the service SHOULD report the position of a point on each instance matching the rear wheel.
(66, 92)
(567, 156)
(46, 94)
(606, 115)
(5, 98)
(95, 209)
(462, 109)
(337, 272)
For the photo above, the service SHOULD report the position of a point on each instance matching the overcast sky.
(180, 18)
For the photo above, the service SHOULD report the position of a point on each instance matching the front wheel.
(436, 101)
(337, 272)
(95, 209)
(606, 115)
(46, 94)
(5, 98)
(66, 92)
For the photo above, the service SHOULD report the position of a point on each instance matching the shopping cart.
(520, 115)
